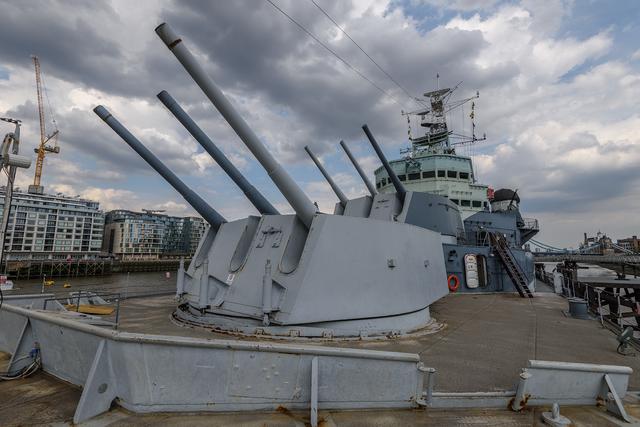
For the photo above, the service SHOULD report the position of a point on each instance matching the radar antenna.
(438, 137)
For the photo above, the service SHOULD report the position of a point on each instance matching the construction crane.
(44, 147)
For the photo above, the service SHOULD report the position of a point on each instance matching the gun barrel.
(255, 197)
(343, 199)
(304, 208)
(208, 213)
(364, 177)
(392, 175)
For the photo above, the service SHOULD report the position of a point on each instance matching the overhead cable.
(344, 61)
(413, 98)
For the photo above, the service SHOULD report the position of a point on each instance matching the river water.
(127, 284)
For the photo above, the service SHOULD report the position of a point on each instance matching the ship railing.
(481, 237)
(531, 224)
(614, 308)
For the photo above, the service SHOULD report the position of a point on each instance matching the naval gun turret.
(307, 274)
(425, 210)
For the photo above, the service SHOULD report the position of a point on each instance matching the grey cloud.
(547, 183)
(84, 131)
(581, 140)
(253, 49)
(72, 48)
(581, 191)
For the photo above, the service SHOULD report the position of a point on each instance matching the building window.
(414, 176)
(441, 174)
(476, 204)
(429, 174)
(452, 174)
(456, 201)
(402, 177)
(465, 203)
(464, 175)
(377, 185)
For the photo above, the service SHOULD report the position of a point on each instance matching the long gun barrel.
(343, 199)
(304, 208)
(207, 212)
(364, 177)
(392, 175)
(255, 197)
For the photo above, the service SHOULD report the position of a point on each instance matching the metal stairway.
(501, 248)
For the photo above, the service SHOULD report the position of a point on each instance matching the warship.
(492, 222)
(321, 313)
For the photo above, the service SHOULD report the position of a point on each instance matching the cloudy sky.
(559, 84)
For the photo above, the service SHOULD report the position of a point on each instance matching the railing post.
(314, 392)
(586, 293)
(427, 395)
(618, 311)
(117, 312)
(431, 379)
(520, 400)
(599, 292)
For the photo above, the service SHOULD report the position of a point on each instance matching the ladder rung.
(513, 268)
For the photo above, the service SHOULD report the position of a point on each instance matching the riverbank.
(35, 269)
(126, 284)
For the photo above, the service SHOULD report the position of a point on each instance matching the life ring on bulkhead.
(453, 287)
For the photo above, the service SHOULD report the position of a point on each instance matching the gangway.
(501, 248)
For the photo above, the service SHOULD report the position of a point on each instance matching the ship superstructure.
(431, 164)
(486, 253)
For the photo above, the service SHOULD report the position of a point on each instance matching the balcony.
(530, 224)
(529, 229)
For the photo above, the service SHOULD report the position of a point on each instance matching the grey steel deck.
(44, 400)
(485, 342)
(41, 400)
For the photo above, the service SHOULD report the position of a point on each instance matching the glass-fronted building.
(46, 226)
(147, 235)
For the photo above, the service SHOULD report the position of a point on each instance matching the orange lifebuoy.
(456, 282)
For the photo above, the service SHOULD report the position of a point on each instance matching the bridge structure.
(591, 254)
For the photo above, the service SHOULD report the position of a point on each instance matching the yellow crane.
(43, 148)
